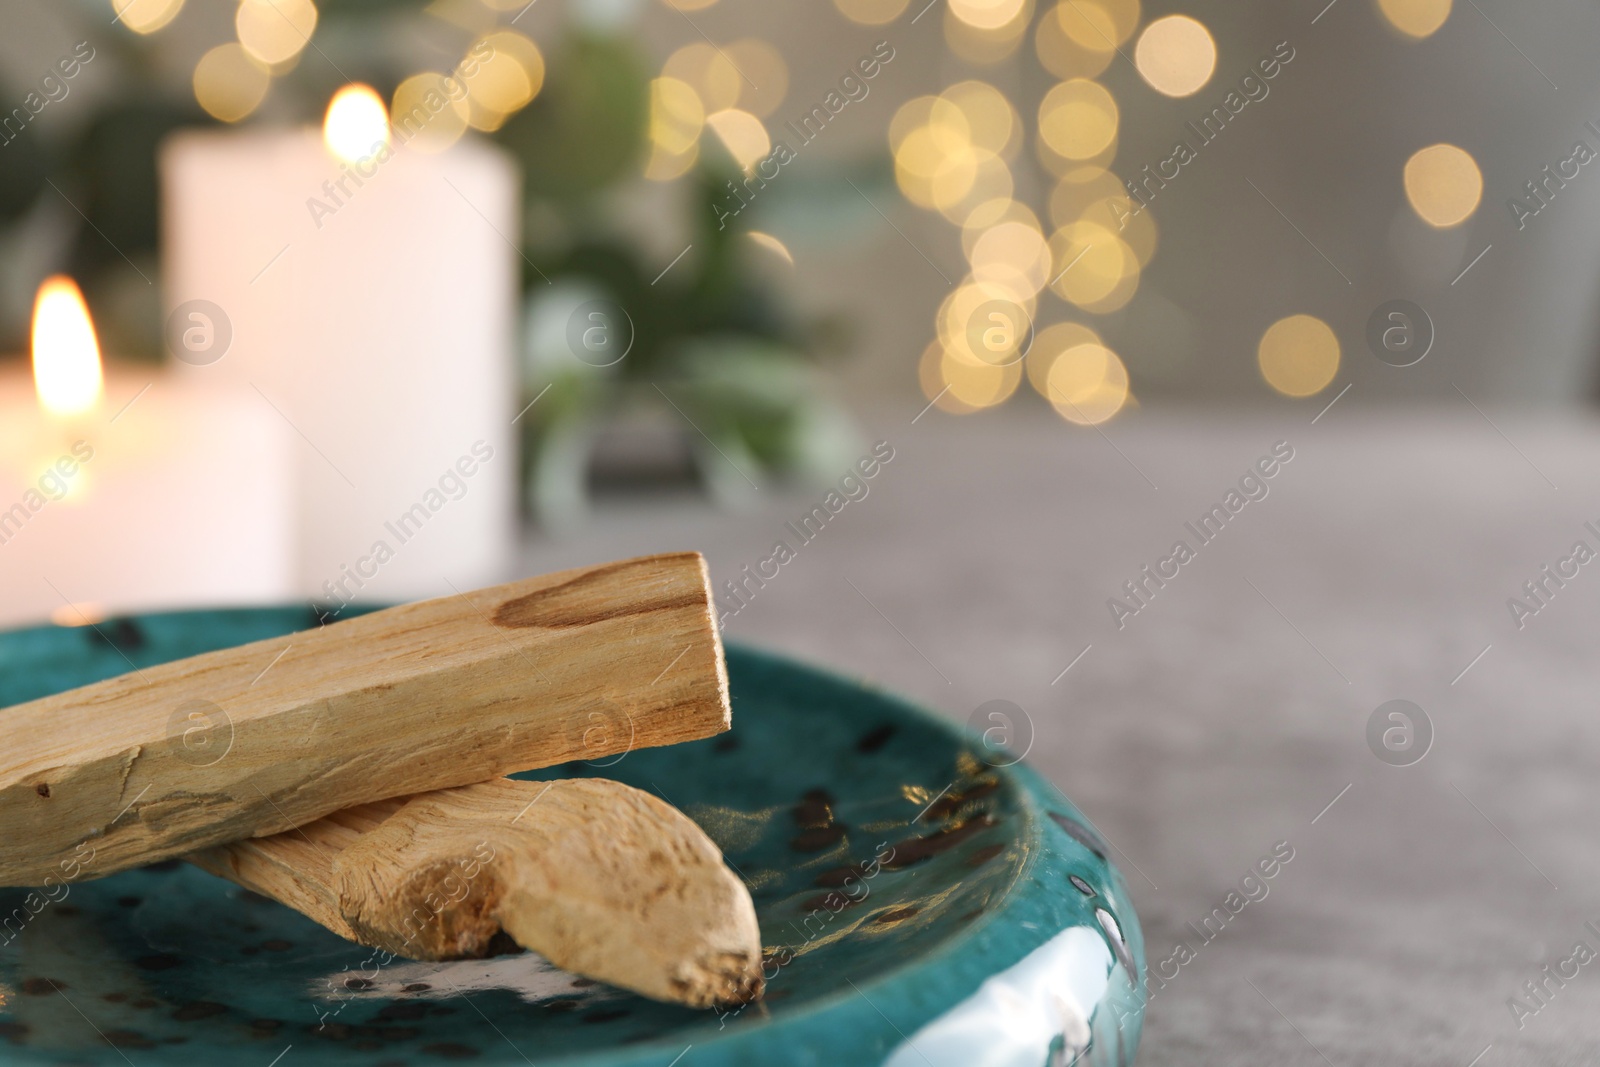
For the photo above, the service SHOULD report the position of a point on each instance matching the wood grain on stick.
(602, 879)
(254, 740)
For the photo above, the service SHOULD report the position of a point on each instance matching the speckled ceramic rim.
(1061, 842)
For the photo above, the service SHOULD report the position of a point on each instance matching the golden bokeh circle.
(228, 83)
(709, 71)
(1099, 24)
(1415, 18)
(1298, 355)
(1060, 54)
(763, 75)
(1087, 384)
(991, 213)
(1093, 267)
(1047, 348)
(963, 307)
(871, 12)
(507, 80)
(1443, 184)
(743, 135)
(986, 14)
(423, 111)
(1080, 188)
(910, 116)
(980, 176)
(677, 116)
(1057, 165)
(962, 386)
(1014, 255)
(992, 123)
(953, 179)
(1176, 55)
(1120, 214)
(986, 47)
(274, 31)
(146, 16)
(1078, 119)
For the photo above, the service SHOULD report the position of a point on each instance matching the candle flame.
(66, 356)
(357, 125)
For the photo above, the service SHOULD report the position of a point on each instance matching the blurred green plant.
(711, 343)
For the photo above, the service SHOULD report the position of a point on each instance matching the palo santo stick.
(602, 879)
(255, 740)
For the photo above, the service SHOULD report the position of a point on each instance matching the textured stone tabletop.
(1229, 716)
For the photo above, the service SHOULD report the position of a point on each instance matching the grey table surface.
(1232, 710)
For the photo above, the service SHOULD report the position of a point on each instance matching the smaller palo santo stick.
(576, 665)
(602, 879)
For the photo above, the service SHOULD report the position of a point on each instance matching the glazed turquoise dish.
(919, 906)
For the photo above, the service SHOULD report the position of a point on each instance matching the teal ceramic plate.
(919, 906)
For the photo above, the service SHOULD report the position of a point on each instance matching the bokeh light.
(1100, 23)
(676, 118)
(986, 14)
(356, 125)
(968, 179)
(1443, 184)
(1087, 384)
(962, 385)
(709, 71)
(1079, 189)
(985, 46)
(1119, 214)
(424, 112)
(1078, 119)
(969, 330)
(146, 16)
(1013, 255)
(743, 135)
(772, 244)
(992, 213)
(507, 80)
(763, 75)
(871, 12)
(937, 165)
(1415, 18)
(1298, 355)
(274, 31)
(1061, 53)
(992, 123)
(228, 83)
(916, 113)
(1047, 348)
(1176, 55)
(1094, 267)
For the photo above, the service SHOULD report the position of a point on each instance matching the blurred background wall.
(1327, 146)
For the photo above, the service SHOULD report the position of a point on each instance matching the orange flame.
(66, 356)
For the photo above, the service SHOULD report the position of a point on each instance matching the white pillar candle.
(144, 493)
(373, 304)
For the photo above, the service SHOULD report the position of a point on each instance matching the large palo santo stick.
(600, 878)
(254, 740)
